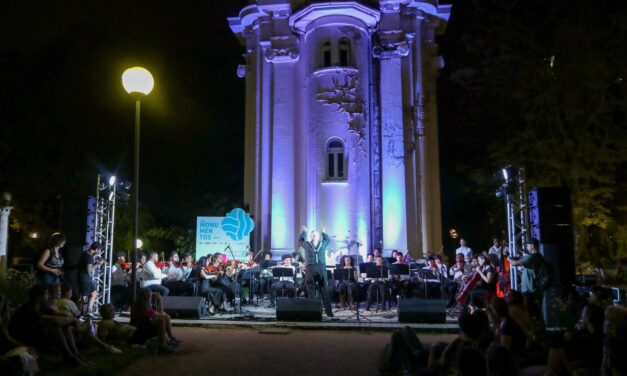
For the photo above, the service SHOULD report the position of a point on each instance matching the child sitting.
(110, 330)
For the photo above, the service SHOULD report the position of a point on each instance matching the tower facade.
(341, 126)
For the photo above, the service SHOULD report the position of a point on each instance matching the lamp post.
(138, 82)
(5, 210)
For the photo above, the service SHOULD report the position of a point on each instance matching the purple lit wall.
(334, 105)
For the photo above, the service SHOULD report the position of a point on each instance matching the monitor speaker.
(298, 309)
(422, 310)
(193, 307)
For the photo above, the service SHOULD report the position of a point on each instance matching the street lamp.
(138, 82)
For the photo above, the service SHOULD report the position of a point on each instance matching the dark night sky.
(66, 116)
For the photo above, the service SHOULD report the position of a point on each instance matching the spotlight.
(509, 173)
(503, 190)
(112, 180)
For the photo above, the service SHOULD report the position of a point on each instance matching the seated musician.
(283, 286)
(120, 282)
(202, 274)
(456, 274)
(225, 280)
(398, 286)
(486, 286)
(265, 281)
(187, 266)
(377, 253)
(348, 287)
(377, 287)
(175, 279)
(152, 277)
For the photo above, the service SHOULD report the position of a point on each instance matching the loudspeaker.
(193, 307)
(550, 217)
(298, 309)
(422, 310)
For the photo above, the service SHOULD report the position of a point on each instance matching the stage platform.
(263, 317)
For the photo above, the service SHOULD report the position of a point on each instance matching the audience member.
(152, 322)
(109, 330)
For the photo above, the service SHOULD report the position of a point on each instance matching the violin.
(212, 269)
(127, 266)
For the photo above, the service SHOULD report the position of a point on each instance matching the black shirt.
(84, 264)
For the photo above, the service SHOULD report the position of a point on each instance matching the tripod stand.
(345, 275)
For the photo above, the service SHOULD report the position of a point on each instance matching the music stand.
(427, 276)
(281, 271)
(378, 273)
(344, 275)
(400, 270)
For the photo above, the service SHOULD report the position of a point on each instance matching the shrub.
(14, 285)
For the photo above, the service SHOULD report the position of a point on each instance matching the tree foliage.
(546, 80)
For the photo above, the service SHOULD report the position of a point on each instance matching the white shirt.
(494, 250)
(174, 273)
(151, 275)
(464, 251)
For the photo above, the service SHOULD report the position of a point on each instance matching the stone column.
(392, 145)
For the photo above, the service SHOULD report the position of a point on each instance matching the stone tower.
(341, 122)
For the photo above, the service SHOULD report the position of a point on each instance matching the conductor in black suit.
(314, 253)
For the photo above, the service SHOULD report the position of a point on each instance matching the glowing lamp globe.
(137, 80)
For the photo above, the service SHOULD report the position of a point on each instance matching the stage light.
(505, 174)
(503, 190)
(112, 180)
(137, 80)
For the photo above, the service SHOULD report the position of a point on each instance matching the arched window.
(326, 54)
(335, 160)
(344, 47)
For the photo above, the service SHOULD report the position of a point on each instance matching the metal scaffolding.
(103, 226)
(517, 209)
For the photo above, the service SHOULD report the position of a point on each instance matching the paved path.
(277, 352)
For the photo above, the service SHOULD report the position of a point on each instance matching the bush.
(14, 285)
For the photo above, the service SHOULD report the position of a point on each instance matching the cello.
(470, 284)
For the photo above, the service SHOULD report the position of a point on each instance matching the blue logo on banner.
(237, 224)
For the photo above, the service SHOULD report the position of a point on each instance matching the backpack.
(544, 275)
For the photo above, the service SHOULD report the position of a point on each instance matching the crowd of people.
(507, 335)
(56, 320)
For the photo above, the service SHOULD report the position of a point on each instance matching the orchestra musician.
(283, 285)
(456, 273)
(224, 280)
(176, 280)
(120, 282)
(378, 286)
(349, 286)
(202, 273)
(152, 276)
(265, 277)
(314, 253)
(398, 286)
(486, 286)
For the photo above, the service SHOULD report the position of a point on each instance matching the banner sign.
(215, 234)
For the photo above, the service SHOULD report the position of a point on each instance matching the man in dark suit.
(314, 253)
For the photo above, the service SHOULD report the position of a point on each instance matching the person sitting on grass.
(152, 322)
(43, 331)
(67, 308)
(111, 331)
(14, 355)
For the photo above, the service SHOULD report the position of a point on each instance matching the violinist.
(152, 276)
(348, 287)
(175, 280)
(120, 282)
(202, 273)
(224, 280)
(456, 274)
(187, 266)
(486, 286)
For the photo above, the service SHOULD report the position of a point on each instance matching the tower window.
(326, 54)
(335, 160)
(344, 49)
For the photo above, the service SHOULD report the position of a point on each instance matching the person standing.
(314, 253)
(464, 250)
(50, 264)
(531, 263)
(86, 266)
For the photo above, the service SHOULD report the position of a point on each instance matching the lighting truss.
(517, 209)
(104, 224)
